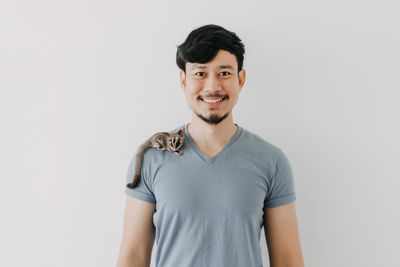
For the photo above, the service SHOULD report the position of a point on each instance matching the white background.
(83, 83)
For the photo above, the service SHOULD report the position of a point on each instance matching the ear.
(242, 78)
(180, 130)
(182, 77)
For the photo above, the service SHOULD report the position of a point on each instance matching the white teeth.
(212, 100)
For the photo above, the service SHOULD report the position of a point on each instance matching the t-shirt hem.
(139, 195)
(280, 201)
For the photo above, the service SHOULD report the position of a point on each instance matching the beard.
(213, 119)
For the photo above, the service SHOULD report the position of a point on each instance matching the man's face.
(213, 80)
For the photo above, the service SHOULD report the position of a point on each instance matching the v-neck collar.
(201, 154)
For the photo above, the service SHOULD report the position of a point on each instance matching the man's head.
(211, 60)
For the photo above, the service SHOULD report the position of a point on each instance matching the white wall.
(83, 83)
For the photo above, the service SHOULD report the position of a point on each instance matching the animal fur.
(163, 141)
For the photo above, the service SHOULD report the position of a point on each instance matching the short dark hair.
(203, 44)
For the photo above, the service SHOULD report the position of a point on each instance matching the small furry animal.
(162, 141)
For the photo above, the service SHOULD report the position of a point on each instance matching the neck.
(211, 135)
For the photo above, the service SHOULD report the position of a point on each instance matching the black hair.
(203, 44)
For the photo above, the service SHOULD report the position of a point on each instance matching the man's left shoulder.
(258, 143)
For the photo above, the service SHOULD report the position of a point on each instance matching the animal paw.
(178, 152)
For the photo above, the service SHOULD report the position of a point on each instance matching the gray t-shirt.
(209, 211)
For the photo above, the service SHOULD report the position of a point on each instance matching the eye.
(225, 72)
(198, 72)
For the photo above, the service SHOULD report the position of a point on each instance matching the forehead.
(223, 60)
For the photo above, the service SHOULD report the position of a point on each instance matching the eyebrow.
(219, 67)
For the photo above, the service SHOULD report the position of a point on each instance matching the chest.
(208, 151)
(220, 188)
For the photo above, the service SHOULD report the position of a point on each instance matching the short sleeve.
(282, 188)
(143, 191)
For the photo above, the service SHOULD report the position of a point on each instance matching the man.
(206, 207)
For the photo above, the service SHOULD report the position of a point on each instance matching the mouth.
(213, 102)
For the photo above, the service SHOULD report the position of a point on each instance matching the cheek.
(232, 99)
(194, 86)
(193, 94)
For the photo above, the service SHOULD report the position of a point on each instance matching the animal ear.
(181, 130)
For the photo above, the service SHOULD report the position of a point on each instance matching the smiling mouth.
(213, 104)
(213, 100)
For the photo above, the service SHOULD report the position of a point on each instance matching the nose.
(212, 84)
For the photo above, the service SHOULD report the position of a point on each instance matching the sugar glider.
(163, 141)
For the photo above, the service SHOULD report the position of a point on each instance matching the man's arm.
(281, 234)
(138, 234)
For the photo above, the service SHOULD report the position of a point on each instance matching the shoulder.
(259, 145)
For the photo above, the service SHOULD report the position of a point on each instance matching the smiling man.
(207, 207)
(212, 90)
